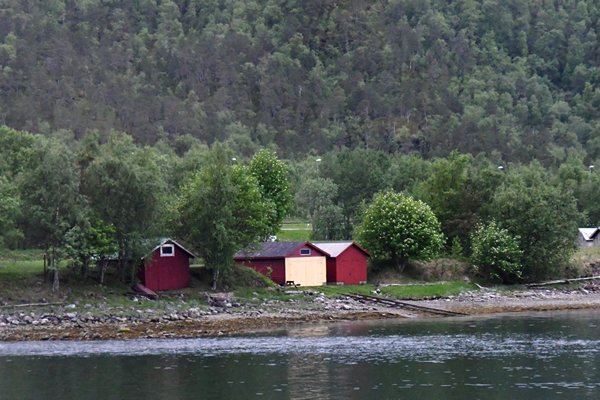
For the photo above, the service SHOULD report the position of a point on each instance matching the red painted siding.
(331, 270)
(349, 268)
(272, 268)
(167, 273)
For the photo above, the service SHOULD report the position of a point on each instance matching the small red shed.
(346, 263)
(299, 262)
(166, 267)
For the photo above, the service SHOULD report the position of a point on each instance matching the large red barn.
(299, 262)
(166, 267)
(346, 263)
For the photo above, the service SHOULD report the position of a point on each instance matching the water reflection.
(535, 356)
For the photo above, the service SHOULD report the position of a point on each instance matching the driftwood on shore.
(563, 281)
(402, 304)
(31, 305)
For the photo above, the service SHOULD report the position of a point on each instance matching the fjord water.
(534, 356)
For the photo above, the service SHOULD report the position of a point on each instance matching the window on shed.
(167, 250)
(305, 252)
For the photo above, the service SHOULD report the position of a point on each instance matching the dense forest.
(516, 80)
(123, 121)
(105, 194)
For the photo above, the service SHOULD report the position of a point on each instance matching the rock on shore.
(231, 317)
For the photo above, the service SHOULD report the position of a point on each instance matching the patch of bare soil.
(497, 301)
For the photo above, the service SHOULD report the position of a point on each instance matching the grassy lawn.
(20, 268)
(296, 225)
(294, 231)
(293, 236)
(12, 268)
(403, 292)
(406, 291)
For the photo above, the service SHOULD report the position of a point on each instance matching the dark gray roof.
(271, 250)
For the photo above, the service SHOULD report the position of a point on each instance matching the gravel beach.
(227, 317)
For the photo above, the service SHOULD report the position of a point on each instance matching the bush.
(396, 228)
(496, 254)
(544, 216)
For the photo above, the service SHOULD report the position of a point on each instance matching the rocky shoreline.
(225, 317)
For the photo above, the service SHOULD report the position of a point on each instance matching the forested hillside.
(515, 79)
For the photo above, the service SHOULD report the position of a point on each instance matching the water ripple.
(426, 348)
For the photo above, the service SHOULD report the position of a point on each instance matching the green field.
(20, 265)
(295, 231)
(405, 291)
(414, 291)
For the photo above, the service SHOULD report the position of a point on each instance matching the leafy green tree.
(89, 241)
(459, 189)
(49, 187)
(542, 215)
(328, 223)
(10, 212)
(125, 188)
(359, 174)
(14, 147)
(588, 193)
(495, 253)
(220, 210)
(407, 172)
(312, 194)
(396, 227)
(273, 179)
(315, 201)
(444, 191)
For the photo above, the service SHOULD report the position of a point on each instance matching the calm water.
(539, 356)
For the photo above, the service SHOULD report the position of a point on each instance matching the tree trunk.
(55, 281)
(122, 262)
(85, 267)
(52, 262)
(215, 278)
(134, 269)
(401, 263)
(103, 271)
(46, 266)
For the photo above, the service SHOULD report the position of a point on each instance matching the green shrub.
(396, 228)
(496, 254)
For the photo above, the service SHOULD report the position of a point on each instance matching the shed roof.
(589, 233)
(171, 241)
(273, 250)
(336, 248)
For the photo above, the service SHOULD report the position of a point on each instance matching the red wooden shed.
(346, 263)
(166, 267)
(299, 262)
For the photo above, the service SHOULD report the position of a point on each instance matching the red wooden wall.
(349, 268)
(167, 272)
(277, 272)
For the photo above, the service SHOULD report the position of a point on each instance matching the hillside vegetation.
(212, 121)
(517, 79)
